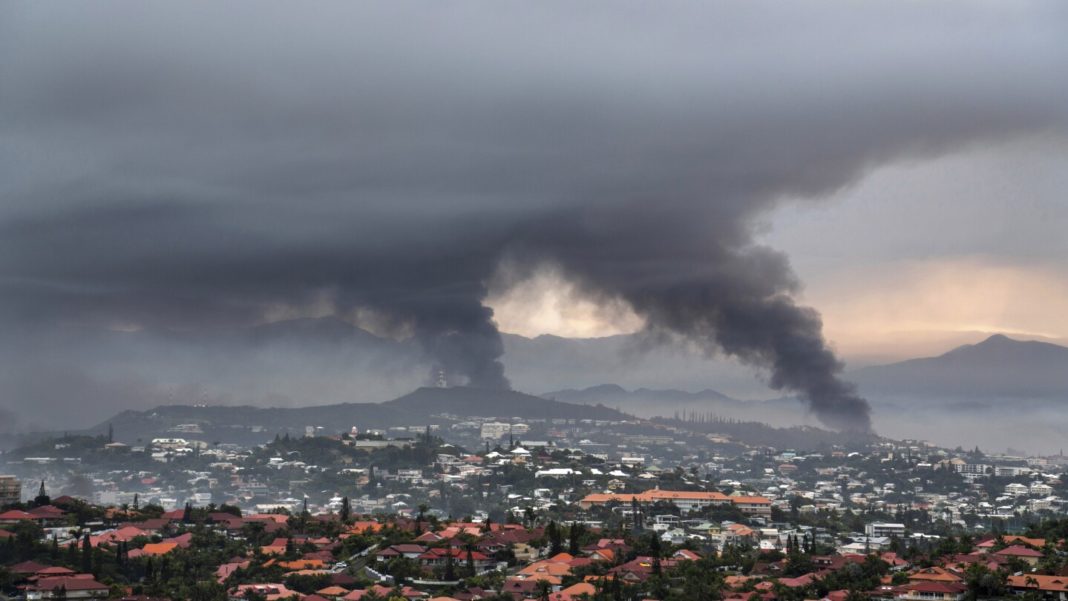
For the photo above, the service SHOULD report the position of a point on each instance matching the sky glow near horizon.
(942, 252)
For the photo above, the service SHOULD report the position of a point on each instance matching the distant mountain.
(496, 403)
(247, 425)
(547, 363)
(998, 367)
(649, 403)
(71, 376)
(613, 394)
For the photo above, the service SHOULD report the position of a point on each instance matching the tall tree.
(450, 567)
(636, 512)
(346, 509)
(42, 497)
(556, 542)
(87, 554)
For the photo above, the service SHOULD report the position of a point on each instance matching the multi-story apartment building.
(10, 490)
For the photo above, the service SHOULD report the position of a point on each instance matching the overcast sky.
(940, 251)
(716, 172)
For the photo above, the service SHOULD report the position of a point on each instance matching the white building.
(1016, 490)
(975, 469)
(495, 430)
(1040, 489)
(884, 529)
(10, 490)
(1011, 471)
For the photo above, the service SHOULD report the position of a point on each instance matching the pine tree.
(87, 554)
(636, 513)
(555, 539)
(42, 497)
(450, 568)
(72, 551)
(346, 509)
(573, 539)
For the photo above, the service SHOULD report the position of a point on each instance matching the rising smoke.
(392, 158)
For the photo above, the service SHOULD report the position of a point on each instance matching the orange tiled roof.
(1013, 539)
(935, 574)
(1040, 582)
(655, 494)
(158, 548)
(751, 500)
(302, 564)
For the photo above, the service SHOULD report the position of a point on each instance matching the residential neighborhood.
(587, 510)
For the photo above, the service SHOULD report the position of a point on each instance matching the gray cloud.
(194, 166)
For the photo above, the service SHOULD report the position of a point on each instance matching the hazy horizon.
(769, 197)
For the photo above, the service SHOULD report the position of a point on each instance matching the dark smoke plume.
(173, 169)
(703, 281)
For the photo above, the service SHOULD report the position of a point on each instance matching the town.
(493, 507)
(534, 301)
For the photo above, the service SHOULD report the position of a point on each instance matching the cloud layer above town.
(196, 166)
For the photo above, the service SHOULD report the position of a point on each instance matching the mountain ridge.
(251, 424)
(998, 366)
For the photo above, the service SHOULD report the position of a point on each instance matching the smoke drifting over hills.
(194, 166)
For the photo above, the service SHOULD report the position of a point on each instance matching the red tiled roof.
(47, 511)
(68, 583)
(1019, 551)
(27, 567)
(929, 586)
(456, 552)
(54, 571)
